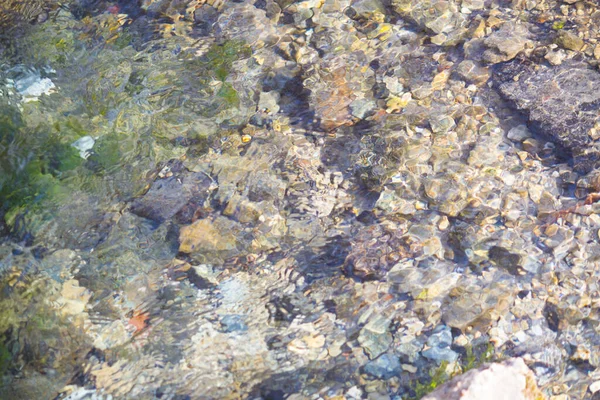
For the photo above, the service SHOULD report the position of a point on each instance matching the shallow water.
(317, 199)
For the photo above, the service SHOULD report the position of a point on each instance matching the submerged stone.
(209, 236)
(569, 41)
(506, 260)
(84, 145)
(233, 323)
(384, 367)
(439, 346)
(506, 43)
(562, 103)
(182, 193)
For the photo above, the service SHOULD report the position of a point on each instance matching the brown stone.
(207, 235)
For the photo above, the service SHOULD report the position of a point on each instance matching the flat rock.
(167, 197)
(471, 72)
(562, 103)
(510, 379)
(162, 201)
(570, 41)
(384, 367)
(210, 237)
(436, 16)
(506, 43)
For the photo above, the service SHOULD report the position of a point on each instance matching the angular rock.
(440, 17)
(384, 367)
(519, 133)
(471, 72)
(169, 196)
(570, 41)
(439, 343)
(375, 337)
(506, 43)
(362, 108)
(562, 103)
(510, 379)
(162, 201)
(556, 57)
(207, 237)
(233, 323)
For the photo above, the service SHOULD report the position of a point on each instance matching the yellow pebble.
(246, 138)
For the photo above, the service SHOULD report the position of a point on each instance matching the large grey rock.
(562, 102)
(510, 379)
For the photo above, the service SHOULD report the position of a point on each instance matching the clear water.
(250, 200)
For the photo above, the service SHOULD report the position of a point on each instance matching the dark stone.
(278, 385)
(39, 252)
(562, 103)
(260, 4)
(164, 199)
(551, 314)
(506, 260)
(183, 194)
(199, 282)
(380, 91)
(205, 17)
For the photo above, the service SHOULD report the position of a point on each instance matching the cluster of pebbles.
(401, 190)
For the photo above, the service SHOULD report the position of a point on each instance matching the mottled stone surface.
(506, 43)
(562, 103)
(167, 197)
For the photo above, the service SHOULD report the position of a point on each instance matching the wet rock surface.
(561, 102)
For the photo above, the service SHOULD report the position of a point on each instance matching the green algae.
(53, 44)
(473, 357)
(136, 105)
(32, 163)
(229, 95)
(219, 59)
(5, 358)
(437, 377)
